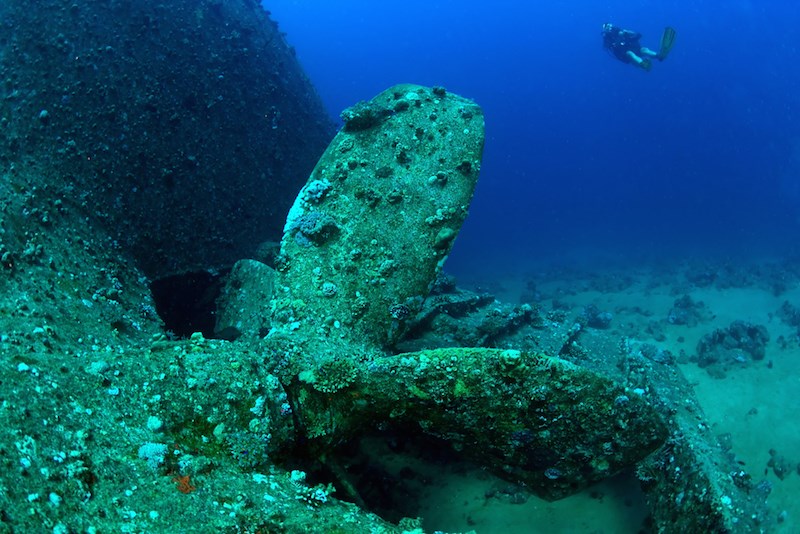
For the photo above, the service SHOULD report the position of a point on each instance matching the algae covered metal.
(362, 246)
(375, 222)
(536, 420)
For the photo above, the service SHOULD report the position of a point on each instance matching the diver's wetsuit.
(620, 42)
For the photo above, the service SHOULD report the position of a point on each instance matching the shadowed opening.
(187, 303)
(399, 472)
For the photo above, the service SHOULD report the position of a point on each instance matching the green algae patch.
(417, 392)
(460, 389)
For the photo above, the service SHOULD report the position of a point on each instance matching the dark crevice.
(187, 303)
(385, 472)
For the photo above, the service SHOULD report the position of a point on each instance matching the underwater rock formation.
(592, 317)
(688, 312)
(185, 127)
(737, 345)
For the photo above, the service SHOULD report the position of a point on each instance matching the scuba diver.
(625, 46)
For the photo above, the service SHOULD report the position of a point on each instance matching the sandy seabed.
(757, 404)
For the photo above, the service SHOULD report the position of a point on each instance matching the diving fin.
(667, 42)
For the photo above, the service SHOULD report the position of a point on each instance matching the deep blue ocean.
(585, 156)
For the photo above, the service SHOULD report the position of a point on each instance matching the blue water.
(700, 156)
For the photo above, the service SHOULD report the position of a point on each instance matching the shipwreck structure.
(152, 139)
